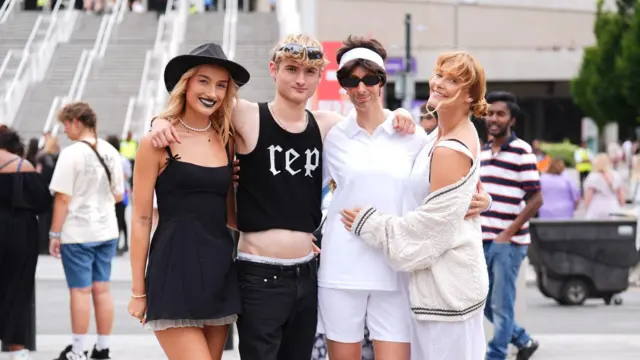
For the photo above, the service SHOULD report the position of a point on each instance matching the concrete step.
(203, 28)
(18, 26)
(57, 82)
(111, 113)
(112, 80)
(136, 28)
(86, 28)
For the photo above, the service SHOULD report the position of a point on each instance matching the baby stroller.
(580, 259)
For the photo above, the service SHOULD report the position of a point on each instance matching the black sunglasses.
(313, 53)
(352, 82)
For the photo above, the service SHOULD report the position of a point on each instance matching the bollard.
(31, 326)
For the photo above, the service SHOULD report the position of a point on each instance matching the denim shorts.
(87, 263)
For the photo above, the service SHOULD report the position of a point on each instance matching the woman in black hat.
(190, 293)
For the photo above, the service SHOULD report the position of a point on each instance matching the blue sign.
(396, 65)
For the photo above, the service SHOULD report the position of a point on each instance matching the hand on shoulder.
(163, 133)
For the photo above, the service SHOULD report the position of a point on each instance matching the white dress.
(436, 340)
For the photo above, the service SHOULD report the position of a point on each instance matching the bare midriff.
(276, 243)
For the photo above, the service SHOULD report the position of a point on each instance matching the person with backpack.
(87, 182)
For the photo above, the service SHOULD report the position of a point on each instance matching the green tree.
(628, 64)
(597, 89)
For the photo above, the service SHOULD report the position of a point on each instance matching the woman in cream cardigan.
(435, 243)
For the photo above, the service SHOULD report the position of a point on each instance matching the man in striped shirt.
(508, 172)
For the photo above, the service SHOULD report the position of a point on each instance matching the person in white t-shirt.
(87, 182)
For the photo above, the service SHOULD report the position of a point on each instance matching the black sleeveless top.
(280, 184)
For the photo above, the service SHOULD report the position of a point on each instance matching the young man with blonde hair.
(279, 145)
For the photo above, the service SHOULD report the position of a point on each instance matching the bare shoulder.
(243, 105)
(243, 110)
(245, 114)
(13, 166)
(326, 120)
(27, 166)
(447, 167)
(146, 148)
(468, 135)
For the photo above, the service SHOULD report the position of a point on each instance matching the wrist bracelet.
(54, 235)
(138, 296)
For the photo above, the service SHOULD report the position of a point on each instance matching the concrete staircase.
(257, 34)
(116, 77)
(57, 82)
(15, 32)
(13, 36)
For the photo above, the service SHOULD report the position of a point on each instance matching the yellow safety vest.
(128, 149)
(585, 164)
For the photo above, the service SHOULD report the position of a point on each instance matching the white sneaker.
(67, 354)
(20, 355)
(73, 356)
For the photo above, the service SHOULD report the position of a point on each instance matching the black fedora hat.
(211, 54)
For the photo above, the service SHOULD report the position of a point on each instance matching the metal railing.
(35, 58)
(288, 17)
(5, 62)
(6, 9)
(25, 57)
(229, 30)
(60, 101)
(152, 93)
(87, 58)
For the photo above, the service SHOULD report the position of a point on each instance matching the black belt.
(308, 268)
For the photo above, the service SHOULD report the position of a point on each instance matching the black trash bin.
(580, 259)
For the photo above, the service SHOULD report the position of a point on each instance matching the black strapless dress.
(191, 276)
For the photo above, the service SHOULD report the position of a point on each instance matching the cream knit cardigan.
(442, 251)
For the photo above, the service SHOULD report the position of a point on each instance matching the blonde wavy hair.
(51, 145)
(466, 69)
(221, 118)
(300, 39)
(601, 163)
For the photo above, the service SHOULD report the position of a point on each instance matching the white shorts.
(342, 314)
(439, 340)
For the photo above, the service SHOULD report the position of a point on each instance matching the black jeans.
(279, 310)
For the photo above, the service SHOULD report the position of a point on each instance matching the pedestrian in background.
(23, 196)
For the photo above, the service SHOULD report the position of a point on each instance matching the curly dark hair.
(11, 141)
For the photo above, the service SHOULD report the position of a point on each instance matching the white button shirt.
(368, 170)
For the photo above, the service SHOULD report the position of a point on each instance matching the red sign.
(330, 95)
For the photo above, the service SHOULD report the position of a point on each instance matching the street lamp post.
(408, 79)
